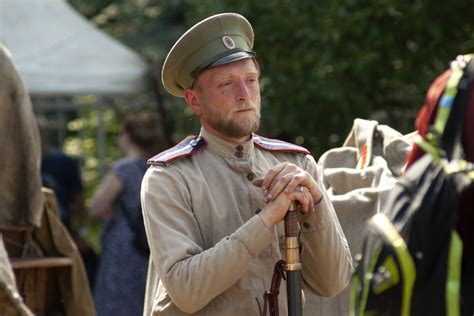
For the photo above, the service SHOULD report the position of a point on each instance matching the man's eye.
(225, 83)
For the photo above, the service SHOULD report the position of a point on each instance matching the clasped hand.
(282, 184)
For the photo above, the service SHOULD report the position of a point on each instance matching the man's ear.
(191, 98)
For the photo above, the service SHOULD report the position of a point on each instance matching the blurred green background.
(323, 63)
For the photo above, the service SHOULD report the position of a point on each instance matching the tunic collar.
(227, 149)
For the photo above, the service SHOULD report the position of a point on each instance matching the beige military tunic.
(211, 253)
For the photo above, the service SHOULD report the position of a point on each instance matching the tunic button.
(239, 154)
(250, 176)
(240, 151)
(306, 225)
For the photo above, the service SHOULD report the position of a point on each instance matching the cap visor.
(231, 58)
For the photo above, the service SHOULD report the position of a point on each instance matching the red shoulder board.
(188, 146)
(277, 145)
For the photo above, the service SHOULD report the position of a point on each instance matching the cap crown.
(216, 40)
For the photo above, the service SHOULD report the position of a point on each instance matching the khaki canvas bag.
(358, 177)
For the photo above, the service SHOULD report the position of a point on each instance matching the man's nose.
(243, 92)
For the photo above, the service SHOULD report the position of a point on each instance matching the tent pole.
(101, 142)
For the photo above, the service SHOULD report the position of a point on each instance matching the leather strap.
(270, 298)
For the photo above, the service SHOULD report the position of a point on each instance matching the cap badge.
(228, 42)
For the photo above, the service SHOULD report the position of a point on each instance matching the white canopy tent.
(58, 52)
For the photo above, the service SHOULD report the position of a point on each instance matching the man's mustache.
(245, 105)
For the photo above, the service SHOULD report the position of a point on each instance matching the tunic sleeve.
(326, 259)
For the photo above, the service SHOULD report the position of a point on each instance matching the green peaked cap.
(217, 40)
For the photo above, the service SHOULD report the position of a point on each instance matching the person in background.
(121, 276)
(213, 205)
(62, 174)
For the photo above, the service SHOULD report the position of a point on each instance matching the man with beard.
(213, 205)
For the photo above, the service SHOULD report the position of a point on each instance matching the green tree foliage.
(323, 63)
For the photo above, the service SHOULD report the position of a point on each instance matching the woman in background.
(121, 276)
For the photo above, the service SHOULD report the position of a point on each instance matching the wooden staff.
(293, 264)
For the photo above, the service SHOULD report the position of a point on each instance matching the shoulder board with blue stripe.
(188, 146)
(278, 145)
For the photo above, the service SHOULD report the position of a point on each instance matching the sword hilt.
(292, 246)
